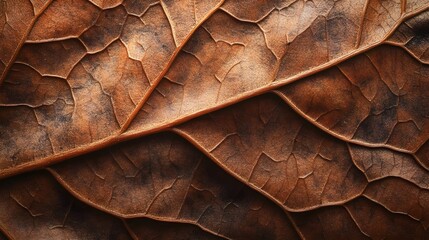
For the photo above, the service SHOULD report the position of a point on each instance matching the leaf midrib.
(124, 135)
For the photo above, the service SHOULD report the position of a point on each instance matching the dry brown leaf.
(36, 207)
(380, 223)
(335, 147)
(371, 99)
(274, 150)
(328, 223)
(149, 229)
(163, 177)
(411, 201)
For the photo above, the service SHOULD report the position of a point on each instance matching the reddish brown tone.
(164, 177)
(280, 119)
(44, 210)
(267, 145)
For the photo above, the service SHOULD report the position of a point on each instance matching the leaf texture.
(386, 96)
(102, 69)
(149, 229)
(17, 20)
(35, 206)
(297, 165)
(214, 119)
(172, 181)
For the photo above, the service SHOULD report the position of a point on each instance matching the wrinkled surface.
(164, 177)
(149, 229)
(251, 54)
(214, 119)
(297, 164)
(328, 223)
(36, 207)
(378, 222)
(16, 21)
(103, 62)
(379, 106)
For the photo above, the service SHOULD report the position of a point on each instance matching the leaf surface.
(149, 229)
(16, 20)
(297, 165)
(164, 177)
(82, 65)
(214, 119)
(384, 98)
(137, 89)
(35, 206)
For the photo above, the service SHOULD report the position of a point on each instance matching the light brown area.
(214, 119)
